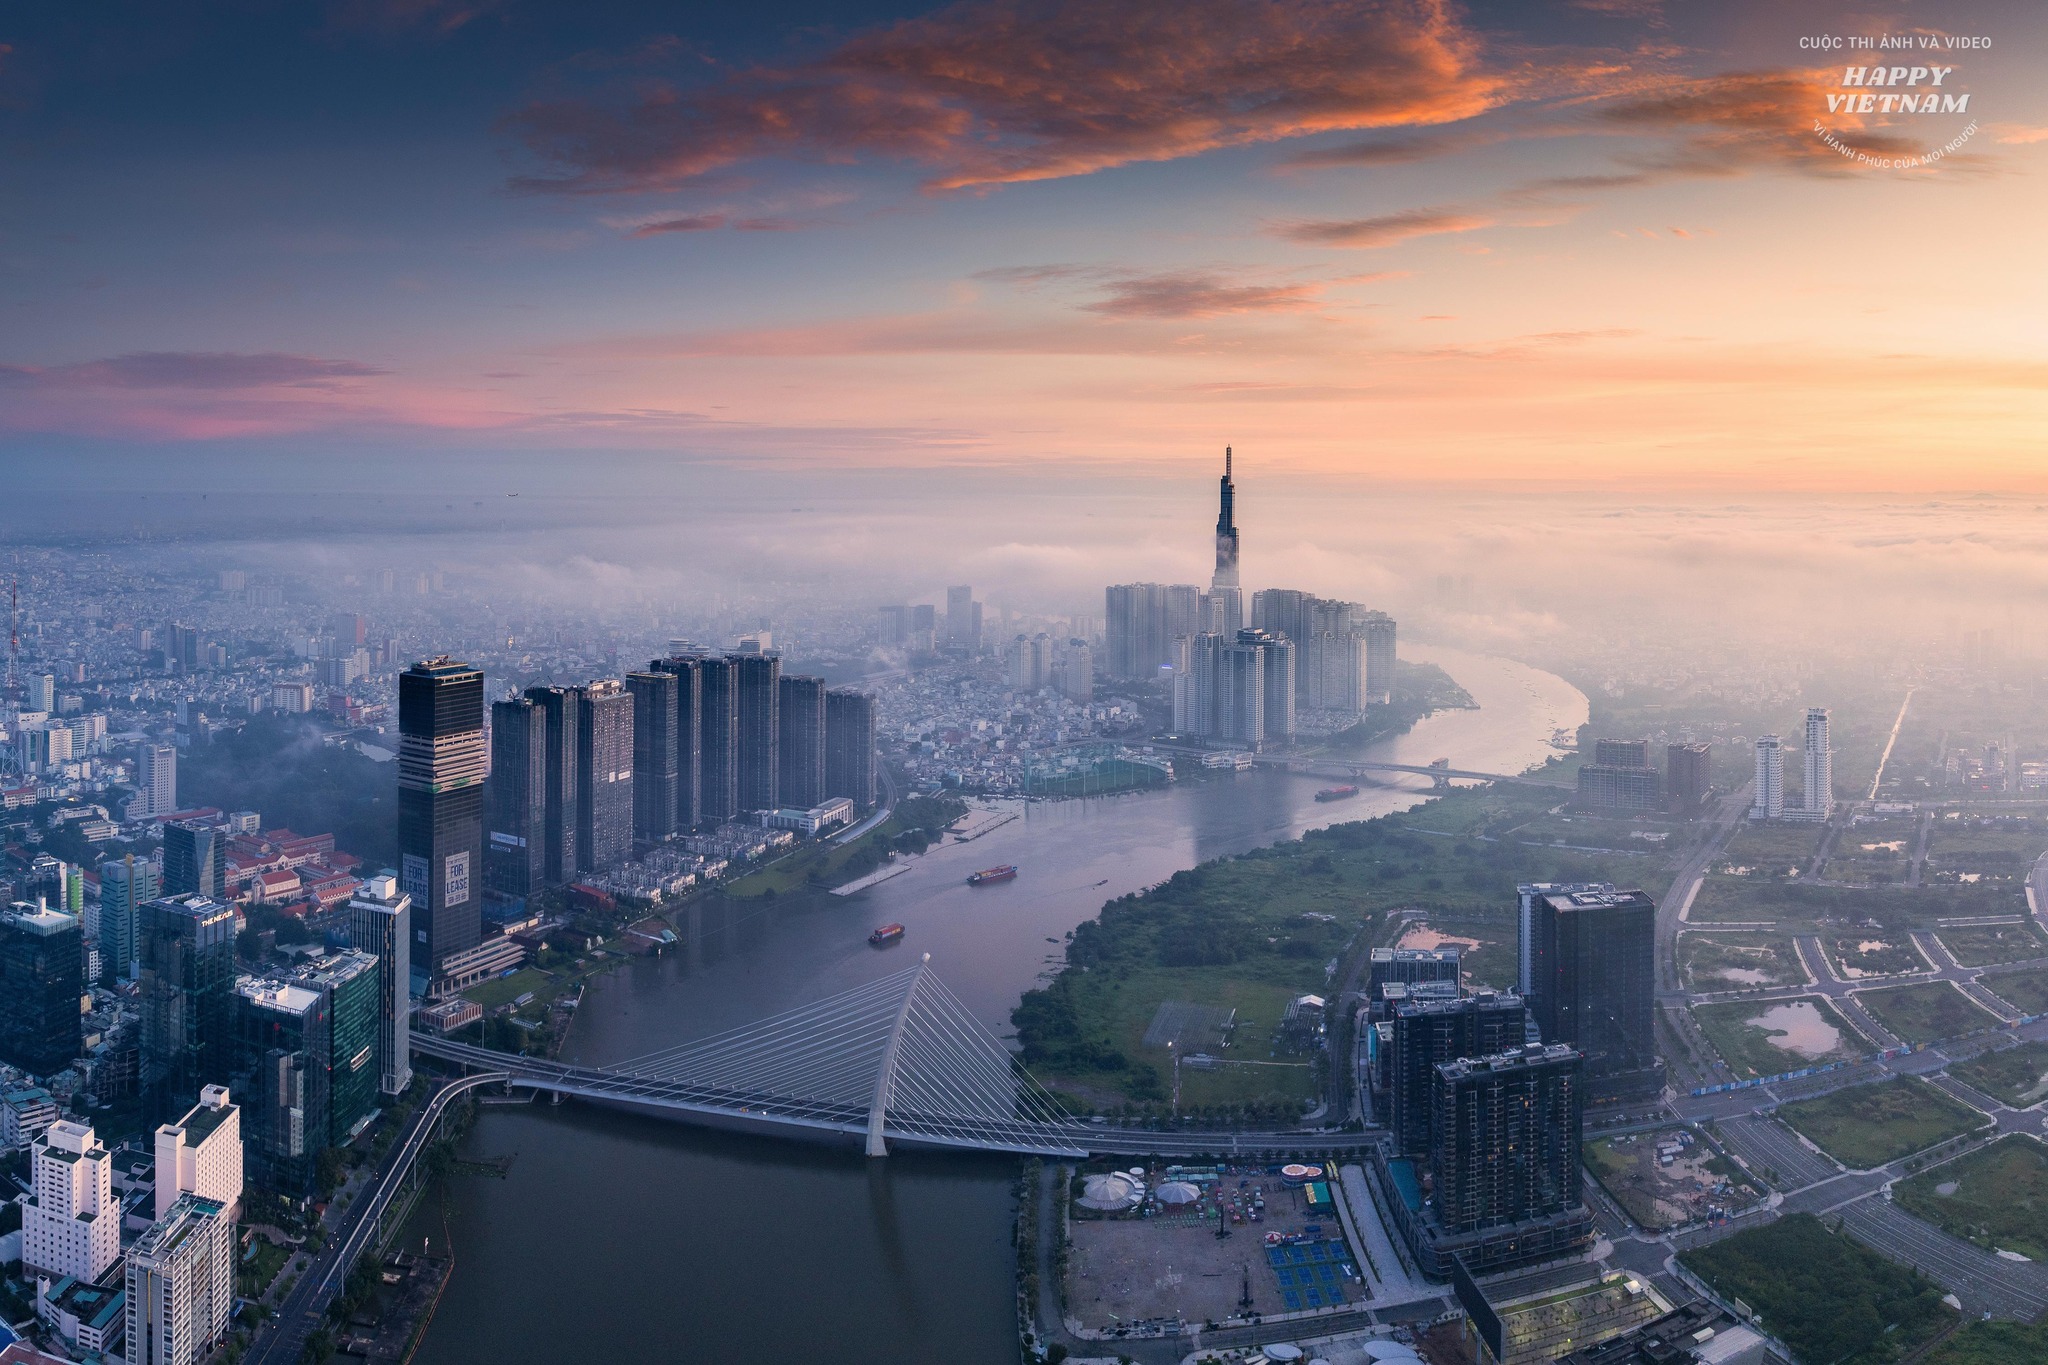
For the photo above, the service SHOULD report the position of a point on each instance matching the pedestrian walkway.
(1384, 1268)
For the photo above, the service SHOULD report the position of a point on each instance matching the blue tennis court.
(1311, 1274)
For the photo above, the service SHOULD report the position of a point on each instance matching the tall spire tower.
(1224, 590)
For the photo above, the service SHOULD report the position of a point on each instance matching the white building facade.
(72, 1223)
(1820, 765)
(1769, 802)
(181, 1284)
(202, 1154)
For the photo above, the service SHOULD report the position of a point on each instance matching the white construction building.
(1769, 802)
(71, 1223)
(202, 1154)
(1820, 765)
(181, 1284)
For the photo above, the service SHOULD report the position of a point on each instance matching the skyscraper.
(195, 859)
(380, 923)
(1593, 972)
(688, 736)
(720, 733)
(1379, 630)
(1526, 896)
(201, 1153)
(1769, 801)
(441, 765)
(353, 987)
(604, 775)
(515, 801)
(156, 779)
(42, 976)
(1623, 753)
(1820, 765)
(800, 775)
(654, 754)
(757, 726)
(185, 948)
(181, 1284)
(1242, 688)
(562, 786)
(125, 883)
(963, 617)
(1428, 1033)
(306, 1049)
(1688, 776)
(1141, 621)
(850, 746)
(1506, 1149)
(71, 1221)
(1224, 586)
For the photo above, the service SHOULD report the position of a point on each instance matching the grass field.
(1745, 1043)
(503, 990)
(1996, 1196)
(1827, 1296)
(2025, 991)
(2017, 1075)
(1924, 1012)
(1857, 955)
(1980, 945)
(1773, 849)
(1870, 1125)
(1792, 904)
(1733, 962)
(1993, 1343)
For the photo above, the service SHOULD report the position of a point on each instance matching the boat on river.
(1336, 793)
(886, 935)
(989, 875)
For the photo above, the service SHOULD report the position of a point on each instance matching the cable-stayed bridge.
(897, 1061)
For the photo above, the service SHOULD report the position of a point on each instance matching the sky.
(1611, 245)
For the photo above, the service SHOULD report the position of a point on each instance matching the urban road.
(283, 1342)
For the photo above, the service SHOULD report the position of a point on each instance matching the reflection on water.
(657, 1242)
(1797, 1026)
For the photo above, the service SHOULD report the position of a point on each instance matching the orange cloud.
(995, 92)
(1387, 229)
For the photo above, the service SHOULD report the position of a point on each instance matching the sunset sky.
(1593, 242)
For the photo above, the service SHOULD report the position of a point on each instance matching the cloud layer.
(1000, 91)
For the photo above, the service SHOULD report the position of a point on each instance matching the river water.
(620, 1238)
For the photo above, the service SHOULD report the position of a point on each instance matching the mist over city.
(1219, 683)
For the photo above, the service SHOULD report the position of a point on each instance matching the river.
(631, 1239)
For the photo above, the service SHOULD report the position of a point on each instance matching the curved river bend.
(629, 1239)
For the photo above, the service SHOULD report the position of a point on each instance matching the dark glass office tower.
(850, 746)
(195, 859)
(654, 754)
(1508, 1132)
(1592, 972)
(560, 821)
(720, 736)
(800, 765)
(349, 980)
(441, 764)
(604, 777)
(282, 1046)
(515, 851)
(757, 680)
(689, 738)
(185, 946)
(380, 923)
(1428, 1033)
(42, 976)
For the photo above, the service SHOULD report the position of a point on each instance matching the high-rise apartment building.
(181, 1284)
(1688, 776)
(1428, 1033)
(562, 785)
(441, 767)
(156, 780)
(1028, 662)
(1410, 967)
(195, 859)
(757, 685)
(850, 746)
(42, 977)
(1820, 765)
(380, 923)
(1506, 1151)
(654, 754)
(515, 802)
(185, 953)
(604, 775)
(1769, 800)
(1076, 671)
(1592, 969)
(963, 617)
(71, 1221)
(1526, 896)
(1242, 688)
(720, 736)
(688, 737)
(201, 1154)
(1141, 621)
(1614, 786)
(1622, 753)
(125, 883)
(800, 734)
